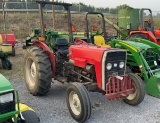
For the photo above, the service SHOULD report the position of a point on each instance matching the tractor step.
(118, 89)
(90, 86)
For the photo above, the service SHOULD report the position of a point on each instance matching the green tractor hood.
(5, 85)
(137, 45)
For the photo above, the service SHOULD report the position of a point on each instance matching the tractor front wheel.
(138, 95)
(78, 102)
(6, 64)
(37, 71)
(13, 51)
(30, 117)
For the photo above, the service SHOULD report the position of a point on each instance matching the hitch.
(117, 88)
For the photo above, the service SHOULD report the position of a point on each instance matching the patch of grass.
(157, 23)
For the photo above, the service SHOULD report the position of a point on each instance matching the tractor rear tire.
(139, 93)
(37, 71)
(30, 117)
(78, 102)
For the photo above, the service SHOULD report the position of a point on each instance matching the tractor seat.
(62, 45)
(99, 41)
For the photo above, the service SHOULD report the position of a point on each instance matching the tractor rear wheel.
(37, 71)
(78, 102)
(30, 117)
(139, 92)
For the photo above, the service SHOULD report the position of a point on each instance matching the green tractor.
(51, 37)
(11, 110)
(143, 58)
(5, 50)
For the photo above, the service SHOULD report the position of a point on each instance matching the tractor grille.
(114, 57)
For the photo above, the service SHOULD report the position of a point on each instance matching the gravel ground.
(52, 108)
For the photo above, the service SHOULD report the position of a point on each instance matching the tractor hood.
(85, 54)
(5, 85)
(137, 45)
(91, 53)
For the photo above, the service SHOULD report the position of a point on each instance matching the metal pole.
(79, 7)
(26, 7)
(87, 30)
(4, 20)
(53, 13)
(41, 19)
(69, 24)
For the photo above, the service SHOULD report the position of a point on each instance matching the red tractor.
(85, 68)
(146, 28)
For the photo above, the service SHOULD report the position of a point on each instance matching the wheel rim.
(132, 96)
(31, 72)
(75, 103)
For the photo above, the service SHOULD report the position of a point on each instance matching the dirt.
(17, 66)
(21, 24)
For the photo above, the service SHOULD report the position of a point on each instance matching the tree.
(31, 4)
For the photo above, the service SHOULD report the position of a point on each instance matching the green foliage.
(156, 23)
(65, 16)
(31, 4)
(124, 6)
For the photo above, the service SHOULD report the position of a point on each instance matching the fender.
(157, 33)
(24, 107)
(146, 33)
(49, 53)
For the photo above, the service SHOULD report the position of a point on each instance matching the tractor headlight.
(109, 66)
(6, 98)
(121, 64)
